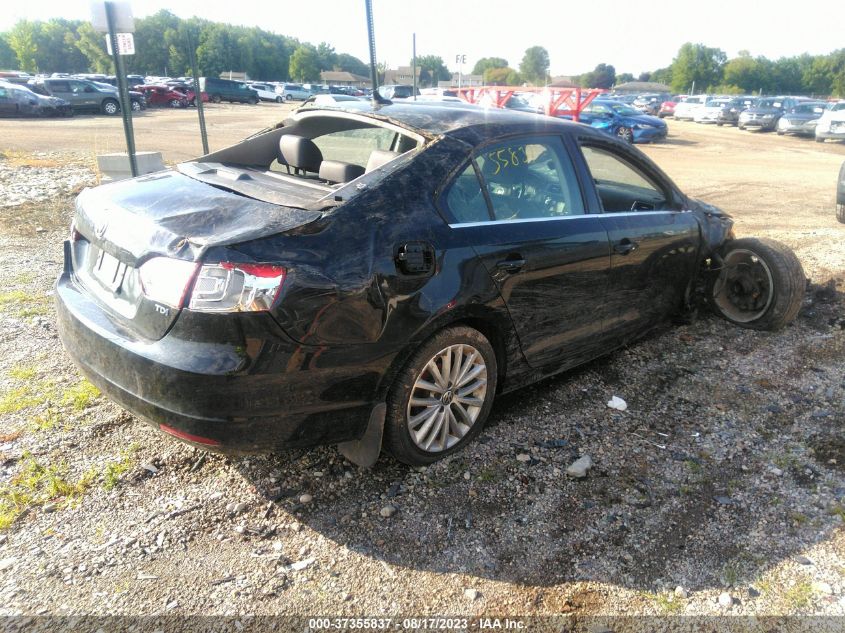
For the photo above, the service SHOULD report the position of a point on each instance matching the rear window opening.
(316, 156)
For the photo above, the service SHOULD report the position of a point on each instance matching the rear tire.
(760, 286)
(288, 98)
(840, 212)
(279, 99)
(431, 414)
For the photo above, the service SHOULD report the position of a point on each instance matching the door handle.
(625, 246)
(511, 265)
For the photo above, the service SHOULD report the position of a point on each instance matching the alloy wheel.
(447, 398)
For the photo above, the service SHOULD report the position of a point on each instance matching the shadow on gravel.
(728, 461)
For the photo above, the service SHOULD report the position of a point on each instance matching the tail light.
(166, 280)
(230, 287)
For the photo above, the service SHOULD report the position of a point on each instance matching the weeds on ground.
(112, 471)
(79, 396)
(18, 158)
(23, 305)
(37, 484)
(668, 603)
(798, 597)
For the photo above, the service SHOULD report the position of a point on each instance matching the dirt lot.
(720, 491)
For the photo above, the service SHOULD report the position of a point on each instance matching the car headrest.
(299, 152)
(379, 157)
(335, 171)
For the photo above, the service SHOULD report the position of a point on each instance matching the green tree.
(352, 65)
(486, 63)
(304, 63)
(743, 71)
(8, 59)
(697, 64)
(502, 77)
(534, 66)
(93, 47)
(326, 56)
(432, 69)
(22, 41)
(602, 76)
(623, 78)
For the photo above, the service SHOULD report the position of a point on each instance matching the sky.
(633, 36)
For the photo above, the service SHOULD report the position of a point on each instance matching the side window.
(620, 185)
(529, 179)
(466, 200)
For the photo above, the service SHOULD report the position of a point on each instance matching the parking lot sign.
(125, 44)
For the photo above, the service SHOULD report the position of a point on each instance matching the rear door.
(654, 243)
(519, 204)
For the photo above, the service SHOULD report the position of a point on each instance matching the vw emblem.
(100, 230)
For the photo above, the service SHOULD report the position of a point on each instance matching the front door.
(654, 243)
(519, 204)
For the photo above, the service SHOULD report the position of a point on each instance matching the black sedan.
(374, 275)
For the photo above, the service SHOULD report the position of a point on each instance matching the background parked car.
(227, 90)
(17, 100)
(621, 120)
(685, 110)
(831, 124)
(396, 91)
(164, 96)
(266, 92)
(290, 92)
(801, 119)
(667, 108)
(764, 114)
(83, 95)
(649, 103)
(187, 88)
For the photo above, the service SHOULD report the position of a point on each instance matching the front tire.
(625, 134)
(216, 98)
(441, 398)
(279, 99)
(175, 103)
(760, 285)
(110, 107)
(136, 106)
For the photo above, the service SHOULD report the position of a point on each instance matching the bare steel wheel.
(441, 398)
(760, 284)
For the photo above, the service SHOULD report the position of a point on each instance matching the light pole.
(461, 60)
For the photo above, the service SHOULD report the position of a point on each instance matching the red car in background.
(188, 91)
(667, 108)
(164, 96)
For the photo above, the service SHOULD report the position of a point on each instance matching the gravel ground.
(718, 491)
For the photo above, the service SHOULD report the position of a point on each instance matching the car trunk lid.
(123, 226)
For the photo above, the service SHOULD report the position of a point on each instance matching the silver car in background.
(801, 119)
(831, 124)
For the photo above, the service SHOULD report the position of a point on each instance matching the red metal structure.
(559, 101)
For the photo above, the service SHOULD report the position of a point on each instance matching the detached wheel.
(110, 107)
(760, 286)
(442, 397)
(626, 134)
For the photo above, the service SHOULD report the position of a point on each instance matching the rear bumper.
(229, 383)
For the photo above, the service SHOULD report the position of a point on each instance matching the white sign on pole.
(125, 44)
(122, 12)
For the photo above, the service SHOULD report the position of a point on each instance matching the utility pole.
(461, 60)
(414, 65)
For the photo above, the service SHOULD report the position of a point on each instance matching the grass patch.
(668, 603)
(25, 397)
(25, 159)
(112, 471)
(22, 372)
(798, 597)
(47, 421)
(37, 484)
(489, 474)
(22, 304)
(80, 396)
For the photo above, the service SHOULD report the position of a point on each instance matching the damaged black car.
(373, 276)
